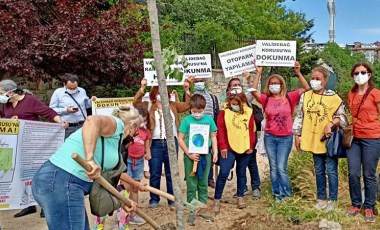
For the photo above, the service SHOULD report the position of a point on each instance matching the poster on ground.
(105, 106)
(24, 147)
(198, 65)
(235, 62)
(275, 53)
(199, 138)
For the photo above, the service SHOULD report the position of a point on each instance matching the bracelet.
(87, 160)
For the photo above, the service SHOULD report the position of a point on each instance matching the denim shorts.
(137, 171)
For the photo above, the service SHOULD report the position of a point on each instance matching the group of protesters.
(60, 185)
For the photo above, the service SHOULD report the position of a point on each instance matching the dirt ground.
(255, 216)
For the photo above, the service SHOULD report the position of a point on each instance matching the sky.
(355, 20)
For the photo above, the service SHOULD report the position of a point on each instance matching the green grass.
(300, 207)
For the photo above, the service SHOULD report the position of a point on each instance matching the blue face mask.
(4, 98)
(199, 85)
(235, 108)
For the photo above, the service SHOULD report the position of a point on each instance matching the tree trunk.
(156, 44)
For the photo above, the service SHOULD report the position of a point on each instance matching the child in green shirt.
(199, 182)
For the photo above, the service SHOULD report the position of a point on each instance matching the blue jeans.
(322, 164)
(254, 171)
(278, 149)
(363, 153)
(225, 165)
(61, 196)
(136, 173)
(160, 155)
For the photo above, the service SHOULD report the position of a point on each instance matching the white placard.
(199, 65)
(24, 147)
(105, 106)
(198, 138)
(235, 62)
(275, 53)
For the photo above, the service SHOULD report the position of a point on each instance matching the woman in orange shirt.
(364, 103)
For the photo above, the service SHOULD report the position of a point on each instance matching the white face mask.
(275, 88)
(316, 84)
(199, 85)
(143, 125)
(235, 108)
(361, 79)
(158, 97)
(236, 90)
(71, 91)
(4, 98)
(197, 115)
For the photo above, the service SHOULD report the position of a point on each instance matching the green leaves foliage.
(172, 63)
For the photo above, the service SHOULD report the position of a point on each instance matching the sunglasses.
(361, 72)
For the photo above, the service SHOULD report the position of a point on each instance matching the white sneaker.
(136, 219)
(331, 206)
(321, 204)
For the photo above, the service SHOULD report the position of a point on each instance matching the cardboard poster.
(198, 65)
(235, 62)
(24, 147)
(105, 106)
(199, 136)
(276, 53)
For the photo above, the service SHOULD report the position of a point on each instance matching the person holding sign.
(319, 110)
(236, 141)
(61, 184)
(158, 149)
(197, 133)
(212, 109)
(20, 104)
(278, 106)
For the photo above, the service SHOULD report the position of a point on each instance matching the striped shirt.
(209, 110)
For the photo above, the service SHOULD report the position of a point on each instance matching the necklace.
(160, 120)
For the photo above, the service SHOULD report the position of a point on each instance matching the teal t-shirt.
(205, 120)
(74, 144)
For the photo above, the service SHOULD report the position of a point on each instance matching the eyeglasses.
(361, 72)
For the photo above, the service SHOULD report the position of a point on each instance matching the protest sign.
(24, 147)
(198, 65)
(235, 62)
(275, 53)
(199, 138)
(105, 106)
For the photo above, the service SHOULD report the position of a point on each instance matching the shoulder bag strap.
(362, 102)
(77, 104)
(102, 162)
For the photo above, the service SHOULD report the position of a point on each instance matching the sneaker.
(136, 219)
(216, 206)
(241, 203)
(246, 192)
(353, 211)
(153, 205)
(191, 220)
(369, 217)
(256, 194)
(321, 205)
(331, 206)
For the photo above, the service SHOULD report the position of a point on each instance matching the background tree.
(92, 38)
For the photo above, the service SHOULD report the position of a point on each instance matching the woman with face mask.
(158, 149)
(19, 104)
(236, 141)
(278, 106)
(319, 110)
(364, 104)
